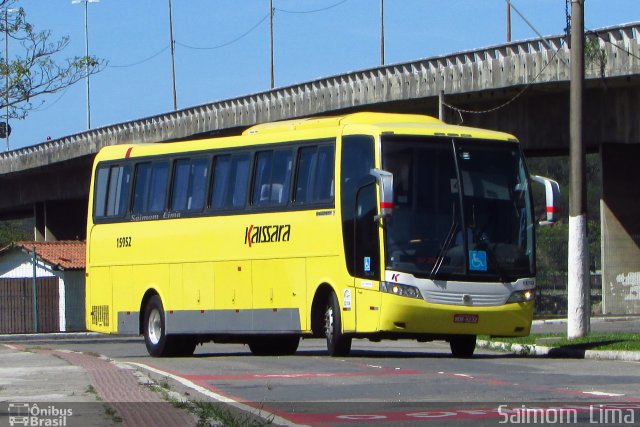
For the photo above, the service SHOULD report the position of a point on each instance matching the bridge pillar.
(620, 225)
(60, 220)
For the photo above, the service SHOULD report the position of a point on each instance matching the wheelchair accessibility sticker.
(477, 261)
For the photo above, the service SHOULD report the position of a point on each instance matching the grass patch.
(209, 413)
(111, 413)
(595, 341)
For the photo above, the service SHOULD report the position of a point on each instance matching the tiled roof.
(65, 254)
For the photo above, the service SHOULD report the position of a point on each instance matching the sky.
(222, 47)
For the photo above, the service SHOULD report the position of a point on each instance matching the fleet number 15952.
(123, 242)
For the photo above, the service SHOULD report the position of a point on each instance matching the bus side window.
(150, 191)
(112, 191)
(314, 181)
(230, 180)
(189, 184)
(324, 188)
(272, 178)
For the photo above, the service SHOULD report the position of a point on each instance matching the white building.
(59, 281)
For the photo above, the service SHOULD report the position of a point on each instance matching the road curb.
(50, 336)
(534, 350)
(560, 321)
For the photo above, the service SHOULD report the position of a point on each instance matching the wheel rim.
(154, 327)
(328, 323)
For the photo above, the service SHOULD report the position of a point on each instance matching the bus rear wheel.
(158, 343)
(462, 346)
(338, 344)
(274, 345)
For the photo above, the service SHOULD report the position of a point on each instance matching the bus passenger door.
(367, 259)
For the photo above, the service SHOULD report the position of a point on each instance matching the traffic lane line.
(281, 415)
(299, 375)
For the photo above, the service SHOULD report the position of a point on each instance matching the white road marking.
(602, 393)
(268, 416)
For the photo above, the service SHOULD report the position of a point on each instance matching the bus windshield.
(462, 209)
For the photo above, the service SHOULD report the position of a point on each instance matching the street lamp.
(173, 60)
(86, 51)
(382, 32)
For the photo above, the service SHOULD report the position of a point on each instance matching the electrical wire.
(612, 43)
(41, 107)
(515, 97)
(226, 43)
(141, 61)
(311, 11)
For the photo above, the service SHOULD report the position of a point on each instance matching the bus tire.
(155, 332)
(462, 346)
(274, 345)
(185, 345)
(338, 344)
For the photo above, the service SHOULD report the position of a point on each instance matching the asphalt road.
(394, 383)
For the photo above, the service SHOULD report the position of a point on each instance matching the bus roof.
(353, 123)
(383, 122)
(363, 118)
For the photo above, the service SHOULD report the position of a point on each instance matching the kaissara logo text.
(267, 234)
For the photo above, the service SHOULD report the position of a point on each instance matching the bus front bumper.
(400, 315)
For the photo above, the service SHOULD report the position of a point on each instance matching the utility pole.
(173, 61)
(6, 59)
(86, 52)
(578, 271)
(271, 40)
(508, 21)
(381, 32)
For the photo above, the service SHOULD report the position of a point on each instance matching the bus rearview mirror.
(385, 184)
(552, 196)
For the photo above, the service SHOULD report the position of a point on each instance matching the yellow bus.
(365, 225)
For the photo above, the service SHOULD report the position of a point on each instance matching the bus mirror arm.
(385, 183)
(552, 195)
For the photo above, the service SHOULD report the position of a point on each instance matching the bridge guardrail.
(513, 64)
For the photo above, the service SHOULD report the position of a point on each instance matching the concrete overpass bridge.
(520, 87)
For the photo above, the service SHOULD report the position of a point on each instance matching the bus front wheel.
(462, 346)
(338, 344)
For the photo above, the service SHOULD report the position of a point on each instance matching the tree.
(14, 230)
(34, 70)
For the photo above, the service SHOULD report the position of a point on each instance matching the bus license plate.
(465, 318)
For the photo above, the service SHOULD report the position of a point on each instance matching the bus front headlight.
(522, 296)
(400, 290)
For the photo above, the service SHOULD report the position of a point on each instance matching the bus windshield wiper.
(447, 244)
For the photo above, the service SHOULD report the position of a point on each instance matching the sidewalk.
(77, 389)
(630, 324)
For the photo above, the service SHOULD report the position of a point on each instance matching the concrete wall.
(74, 300)
(620, 220)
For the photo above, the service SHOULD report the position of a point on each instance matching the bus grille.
(100, 315)
(455, 298)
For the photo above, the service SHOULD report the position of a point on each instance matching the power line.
(42, 105)
(226, 43)
(141, 61)
(311, 11)
(515, 97)
(612, 43)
